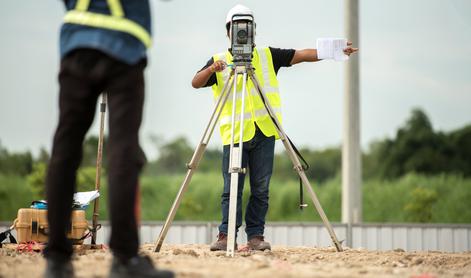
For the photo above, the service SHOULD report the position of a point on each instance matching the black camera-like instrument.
(242, 37)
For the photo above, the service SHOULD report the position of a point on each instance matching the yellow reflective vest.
(254, 112)
(116, 21)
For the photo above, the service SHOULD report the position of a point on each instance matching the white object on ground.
(84, 198)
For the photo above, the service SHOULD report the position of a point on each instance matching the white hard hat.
(239, 9)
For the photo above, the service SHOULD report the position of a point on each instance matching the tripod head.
(242, 38)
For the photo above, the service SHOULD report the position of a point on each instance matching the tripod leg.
(193, 165)
(235, 166)
(99, 158)
(297, 164)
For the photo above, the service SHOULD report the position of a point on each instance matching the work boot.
(258, 243)
(58, 268)
(136, 267)
(221, 243)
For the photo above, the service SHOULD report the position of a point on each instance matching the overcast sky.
(413, 53)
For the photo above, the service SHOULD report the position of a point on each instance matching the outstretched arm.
(304, 55)
(310, 54)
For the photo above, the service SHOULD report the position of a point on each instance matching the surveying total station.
(242, 45)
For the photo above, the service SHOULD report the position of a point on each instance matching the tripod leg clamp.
(238, 170)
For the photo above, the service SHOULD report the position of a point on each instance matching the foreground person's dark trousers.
(83, 76)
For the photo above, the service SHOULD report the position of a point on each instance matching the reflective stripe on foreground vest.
(116, 21)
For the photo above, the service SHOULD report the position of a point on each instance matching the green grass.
(383, 201)
(443, 198)
(14, 194)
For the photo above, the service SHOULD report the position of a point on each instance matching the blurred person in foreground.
(103, 45)
(259, 131)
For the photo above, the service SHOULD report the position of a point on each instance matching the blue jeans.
(257, 158)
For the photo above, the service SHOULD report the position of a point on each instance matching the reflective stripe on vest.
(267, 86)
(258, 113)
(116, 21)
(254, 111)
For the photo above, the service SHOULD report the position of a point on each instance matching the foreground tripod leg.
(296, 163)
(193, 165)
(99, 159)
(235, 162)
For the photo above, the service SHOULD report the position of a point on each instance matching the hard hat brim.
(241, 17)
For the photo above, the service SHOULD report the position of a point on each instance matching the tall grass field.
(412, 198)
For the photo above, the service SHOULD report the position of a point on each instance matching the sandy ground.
(198, 261)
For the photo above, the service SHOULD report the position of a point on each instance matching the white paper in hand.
(331, 48)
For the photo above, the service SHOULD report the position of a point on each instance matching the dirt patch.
(198, 261)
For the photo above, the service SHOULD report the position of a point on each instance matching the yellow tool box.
(31, 225)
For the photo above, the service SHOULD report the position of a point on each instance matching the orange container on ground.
(31, 225)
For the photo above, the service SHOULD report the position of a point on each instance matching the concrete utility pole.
(351, 150)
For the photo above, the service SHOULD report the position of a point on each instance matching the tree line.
(415, 148)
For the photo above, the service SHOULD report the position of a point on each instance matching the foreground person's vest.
(116, 20)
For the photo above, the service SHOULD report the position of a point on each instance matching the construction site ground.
(198, 261)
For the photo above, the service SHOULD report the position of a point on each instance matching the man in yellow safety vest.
(259, 132)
